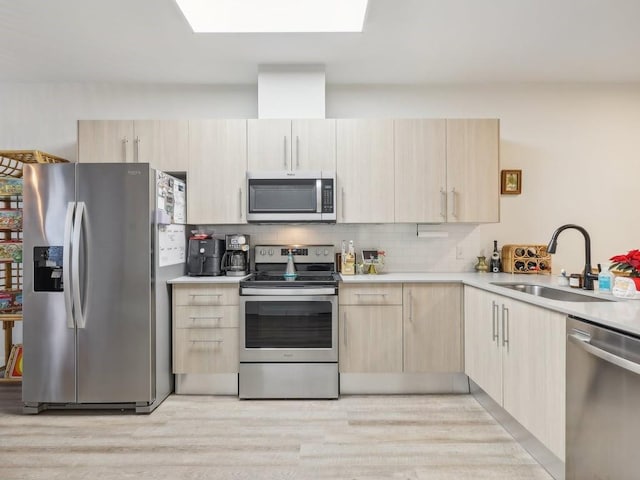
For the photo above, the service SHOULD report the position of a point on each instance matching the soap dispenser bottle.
(290, 272)
(605, 280)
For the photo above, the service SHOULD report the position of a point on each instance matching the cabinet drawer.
(206, 350)
(206, 295)
(206, 316)
(371, 294)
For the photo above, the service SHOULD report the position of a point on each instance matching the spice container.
(575, 280)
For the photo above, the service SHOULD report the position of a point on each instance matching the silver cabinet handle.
(344, 328)
(136, 155)
(284, 151)
(494, 320)
(206, 341)
(410, 307)
(297, 151)
(583, 341)
(343, 204)
(125, 142)
(454, 206)
(443, 203)
(240, 204)
(205, 294)
(505, 325)
(218, 318)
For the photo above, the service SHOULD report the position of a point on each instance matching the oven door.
(289, 328)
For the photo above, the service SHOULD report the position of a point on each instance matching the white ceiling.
(404, 42)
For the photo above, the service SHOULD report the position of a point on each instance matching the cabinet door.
(473, 181)
(482, 342)
(217, 172)
(365, 171)
(269, 144)
(370, 339)
(420, 171)
(162, 143)
(313, 145)
(432, 322)
(534, 371)
(105, 141)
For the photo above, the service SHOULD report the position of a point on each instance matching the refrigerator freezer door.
(115, 343)
(49, 343)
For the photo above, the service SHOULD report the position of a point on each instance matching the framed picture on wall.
(511, 182)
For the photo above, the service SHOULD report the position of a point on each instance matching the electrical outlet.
(459, 255)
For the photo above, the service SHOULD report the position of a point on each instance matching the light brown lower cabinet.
(400, 328)
(205, 329)
(370, 338)
(432, 323)
(516, 353)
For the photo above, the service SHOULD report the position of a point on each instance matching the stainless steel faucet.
(589, 277)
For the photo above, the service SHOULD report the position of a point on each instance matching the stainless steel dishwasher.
(603, 403)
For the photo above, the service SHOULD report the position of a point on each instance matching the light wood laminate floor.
(204, 437)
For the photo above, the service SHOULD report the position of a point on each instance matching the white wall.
(578, 147)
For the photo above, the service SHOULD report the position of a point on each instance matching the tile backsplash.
(452, 248)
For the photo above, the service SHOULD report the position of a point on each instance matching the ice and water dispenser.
(47, 269)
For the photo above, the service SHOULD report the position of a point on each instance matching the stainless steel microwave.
(291, 196)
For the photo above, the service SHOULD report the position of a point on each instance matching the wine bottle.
(495, 258)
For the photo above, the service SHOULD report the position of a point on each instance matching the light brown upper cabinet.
(365, 171)
(161, 143)
(217, 172)
(420, 171)
(291, 144)
(473, 171)
(446, 171)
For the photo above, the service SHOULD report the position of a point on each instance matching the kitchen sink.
(550, 293)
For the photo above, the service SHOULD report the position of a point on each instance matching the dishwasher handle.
(583, 341)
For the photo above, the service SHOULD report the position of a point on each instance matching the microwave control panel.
(327, 195)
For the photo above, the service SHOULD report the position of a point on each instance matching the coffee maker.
(237, 257)
(205, 256)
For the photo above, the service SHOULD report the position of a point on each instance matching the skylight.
(274, 16)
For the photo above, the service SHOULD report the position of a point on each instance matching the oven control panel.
(301, 253)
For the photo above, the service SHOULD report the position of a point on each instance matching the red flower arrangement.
(629, 263)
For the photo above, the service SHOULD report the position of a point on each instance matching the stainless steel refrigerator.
(99, 246)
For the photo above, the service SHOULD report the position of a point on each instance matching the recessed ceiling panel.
(274, 16)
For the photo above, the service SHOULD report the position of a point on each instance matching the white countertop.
(215, 280)
(620, 313)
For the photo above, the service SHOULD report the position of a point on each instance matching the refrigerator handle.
(75, 265)
(66, 266)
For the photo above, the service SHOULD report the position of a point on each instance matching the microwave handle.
(318, 195)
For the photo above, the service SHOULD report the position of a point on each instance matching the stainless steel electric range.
(289, 326)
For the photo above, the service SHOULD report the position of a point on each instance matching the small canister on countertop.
(575, 280)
